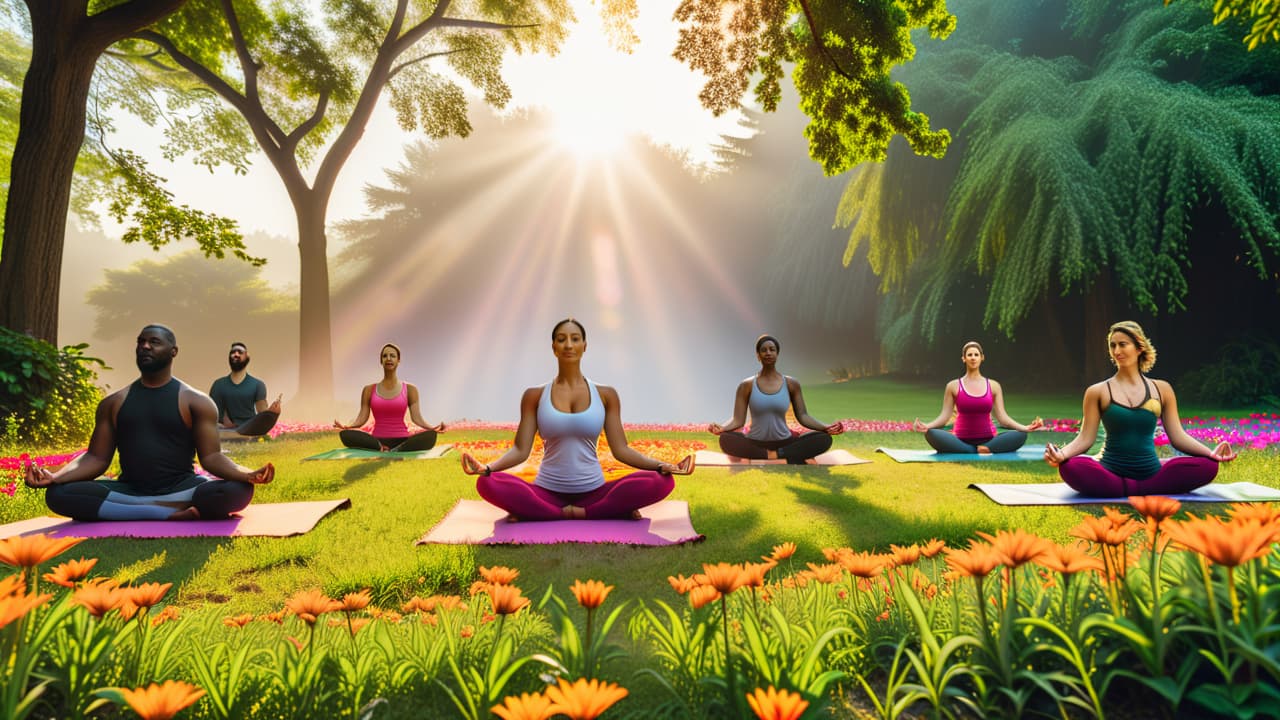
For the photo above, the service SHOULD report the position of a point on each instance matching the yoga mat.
(1026, 452)
(475, 522)
(266, 519)
(831, 457)
(1061, 494)
(346, 453)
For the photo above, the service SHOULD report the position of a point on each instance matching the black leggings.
(424, 440)
(945, 442)
(112, 500)
(795, 449)
(259, 424)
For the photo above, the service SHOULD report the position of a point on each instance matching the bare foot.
(635, 515)
(512, 518)
(188, 513)
(573, 512)
(771, 454)
(984, 450)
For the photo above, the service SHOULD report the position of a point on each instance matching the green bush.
(1245, 373)
(47, 395)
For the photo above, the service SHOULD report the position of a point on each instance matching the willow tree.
(305, 93)
(1261, 16)
(1082, 175)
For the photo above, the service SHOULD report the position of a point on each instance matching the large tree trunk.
(50, 133)
(315, 342)
(1099, 311)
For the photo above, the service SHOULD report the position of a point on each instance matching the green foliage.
(47, 395)
(1103, 166)
(842, 54)
(1261, 16)
(1245, 373)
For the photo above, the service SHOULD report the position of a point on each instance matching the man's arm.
(204, 431)
(95, 460)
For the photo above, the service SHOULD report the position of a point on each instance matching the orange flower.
(933, 547)
(309, 605)
(753, 573)
(774, 704)
(147, 595)
(388, 616)
(276, 617)
(834, 554)
(467, 631)
(1155, 507)
(584, 699)
(417, 604)
(1016, 548)
(682, 584)
(237, 621)
(703, 594)
(356, 601)
(31, 550)
(1224, 543)
(863, 564)
(590, 594)
(17, 603)
(978, 561)
(529, 706)
(1069, 559)
(506, 599)
(161, 702)
(724, 577)
(783, 551)
(499, 575)
(355, 625)
(99, 598)
(165, 615)
(71, 572)
(478, 587)
(827, 574)
(903, 556)
(432, 620)
(446, 602)
(1103, 531)
(13, 584)
(1265, 513)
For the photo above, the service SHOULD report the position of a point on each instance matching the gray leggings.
(945, 442)
(113, 500)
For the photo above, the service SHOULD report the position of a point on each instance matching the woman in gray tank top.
(768, 395)
(569, 413)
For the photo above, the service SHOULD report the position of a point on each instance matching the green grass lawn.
(742, 512)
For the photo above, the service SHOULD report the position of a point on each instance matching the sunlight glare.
(588, 136)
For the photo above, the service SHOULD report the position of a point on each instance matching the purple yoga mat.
(475, 522)
(267, 519)
(831, 457)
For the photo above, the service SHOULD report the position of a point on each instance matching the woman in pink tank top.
(387, 402)
(974, 399)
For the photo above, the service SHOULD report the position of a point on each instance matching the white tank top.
(569, 463)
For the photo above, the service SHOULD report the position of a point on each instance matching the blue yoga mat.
(1026, 452)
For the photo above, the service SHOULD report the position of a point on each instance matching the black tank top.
(156, 447)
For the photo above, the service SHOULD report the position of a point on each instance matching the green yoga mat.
(346, 453)
(1026, 452)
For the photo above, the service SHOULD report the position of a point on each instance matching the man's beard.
(153, 363)
(238, 366)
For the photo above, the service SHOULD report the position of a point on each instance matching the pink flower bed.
(1257, 431)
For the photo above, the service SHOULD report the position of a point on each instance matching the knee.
(219, 498)
(58, 499)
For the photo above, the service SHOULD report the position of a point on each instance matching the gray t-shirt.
(238, 402)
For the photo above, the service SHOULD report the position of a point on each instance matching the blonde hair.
(972, 343)
(1146, 351)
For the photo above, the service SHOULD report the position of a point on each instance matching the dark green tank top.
(1130, 448)
(156, 447)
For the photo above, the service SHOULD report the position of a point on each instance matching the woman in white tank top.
(569, 413)
(768, 395)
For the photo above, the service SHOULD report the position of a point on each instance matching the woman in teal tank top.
(1128, 405)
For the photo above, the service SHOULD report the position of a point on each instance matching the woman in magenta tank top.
(974, 400)
(569, 413)
(387, 401)
(767, 396)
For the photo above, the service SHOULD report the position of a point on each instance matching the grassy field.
(742, 512)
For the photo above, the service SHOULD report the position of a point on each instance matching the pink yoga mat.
(475, 522)
(831, 457)
(275, 520)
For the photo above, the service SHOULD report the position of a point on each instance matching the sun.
(588, 136)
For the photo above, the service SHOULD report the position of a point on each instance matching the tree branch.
(817, 39)
(247, 63)
(396, 70)
(310, 123)
(118, 22)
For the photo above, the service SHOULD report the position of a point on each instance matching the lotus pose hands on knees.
(974, 400)
(387, 401)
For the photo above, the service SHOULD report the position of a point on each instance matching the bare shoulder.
(191, 396)
(531, 396)
(953, 386)
(607, 393)
(793, 385)
(1163, 386)
(995, 385)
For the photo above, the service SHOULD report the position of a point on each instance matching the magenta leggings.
(617, 499)
(1176, 475)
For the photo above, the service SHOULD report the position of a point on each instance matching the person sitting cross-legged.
(242, 399)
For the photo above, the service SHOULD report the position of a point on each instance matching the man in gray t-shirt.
(242, 398)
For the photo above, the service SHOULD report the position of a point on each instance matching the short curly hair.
(1146, 351)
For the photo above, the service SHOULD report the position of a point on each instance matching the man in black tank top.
(158, 424)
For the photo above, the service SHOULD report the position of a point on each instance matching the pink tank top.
(973, 414)
(388, 414)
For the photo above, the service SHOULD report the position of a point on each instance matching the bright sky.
(596, 92)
